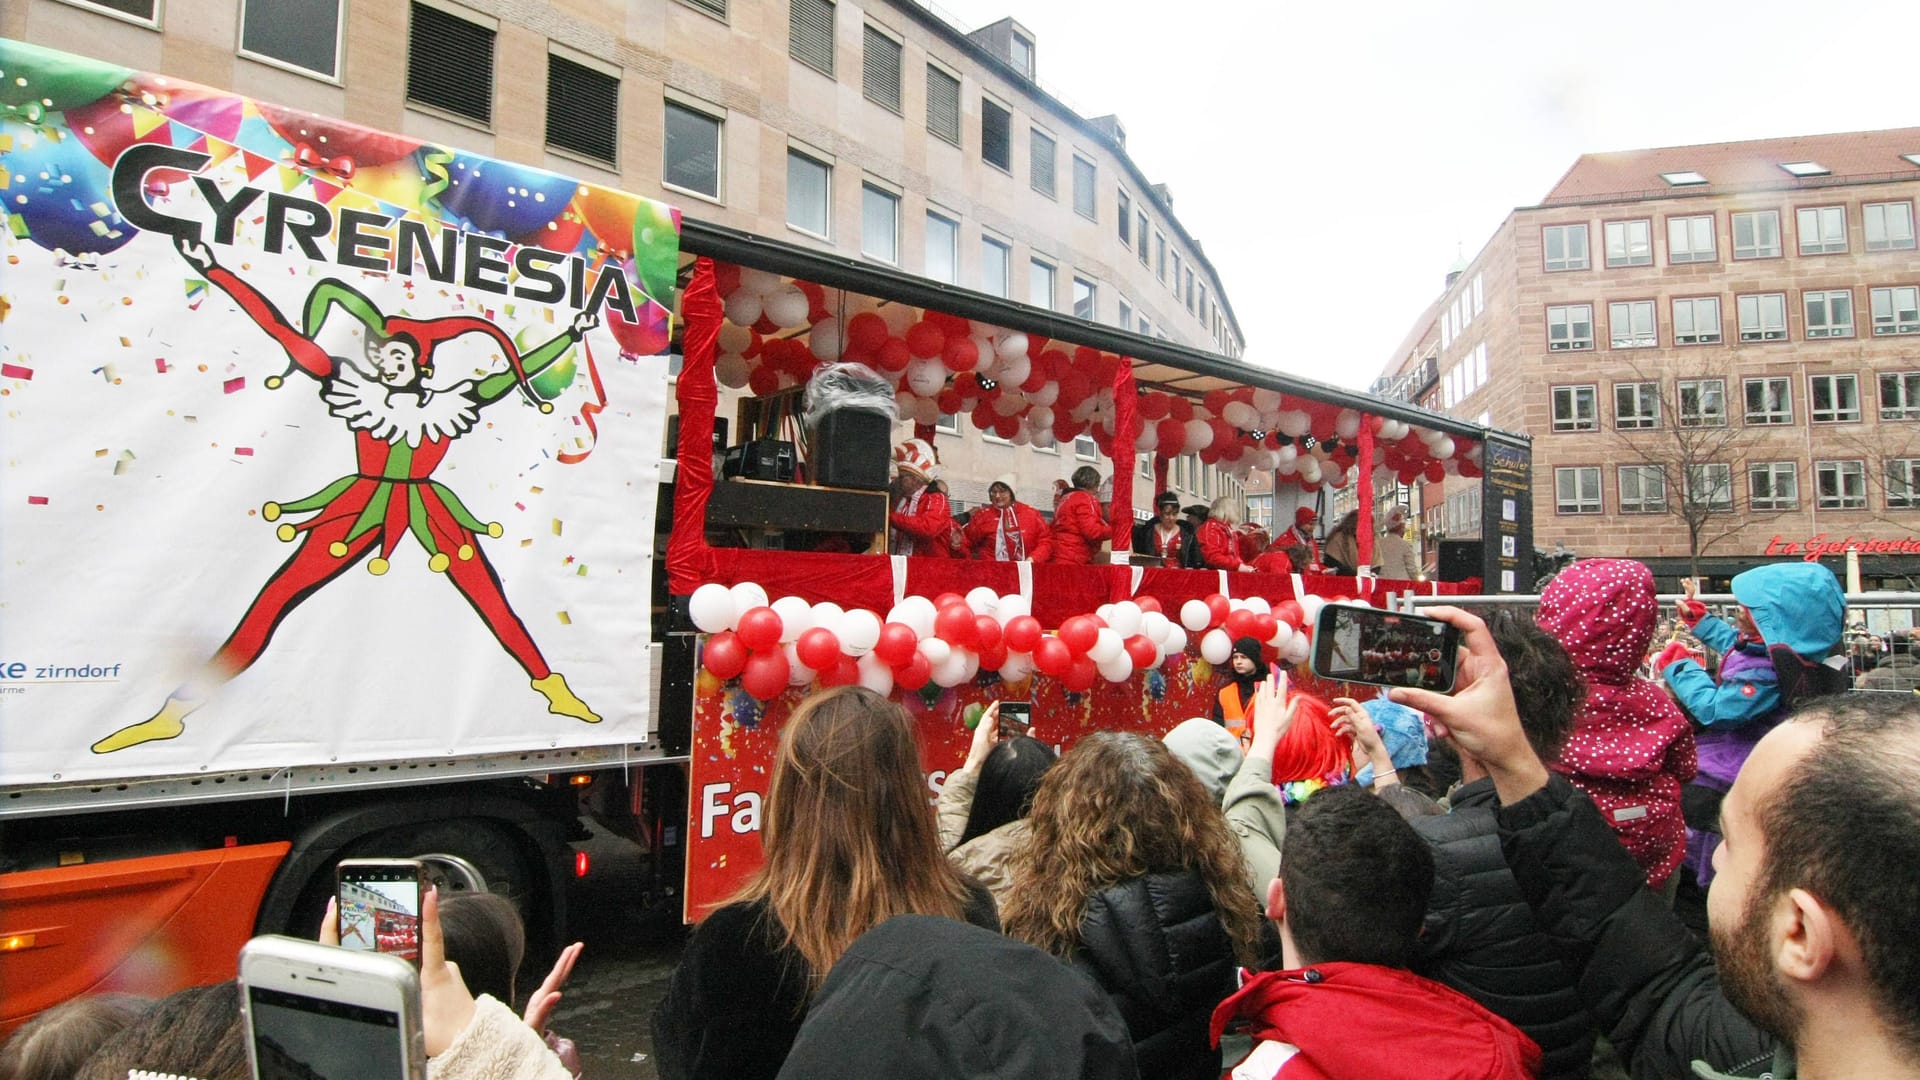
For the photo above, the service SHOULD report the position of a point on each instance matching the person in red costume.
(1219, 537)
(922, 518)
(1008, 530)
(402, 429)
(1300, 538)
(1079, 525)
(1166, 539)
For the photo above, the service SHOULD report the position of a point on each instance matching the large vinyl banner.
(321, 444)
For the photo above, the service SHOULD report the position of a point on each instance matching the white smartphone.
(317, 1010)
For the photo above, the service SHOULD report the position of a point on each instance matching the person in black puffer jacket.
(1131, 874)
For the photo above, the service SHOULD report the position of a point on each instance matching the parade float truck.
(343, 516)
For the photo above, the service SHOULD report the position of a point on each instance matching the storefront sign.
(1820, 546)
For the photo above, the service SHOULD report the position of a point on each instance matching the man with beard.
(1812, 911)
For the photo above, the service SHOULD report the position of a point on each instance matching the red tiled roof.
(1855, 155)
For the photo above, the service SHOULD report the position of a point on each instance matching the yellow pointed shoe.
(561, 700)
(165, 724)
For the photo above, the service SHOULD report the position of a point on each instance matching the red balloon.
(1218, 605)
(866, 332)
(1435, 472)
(896, 645)
(1079, 633)
(949, 401)
(961, 354)
(816, 300)
(955, 626)
(766, 674)
(725, 655)
(763, 380)
(948, 599)
(1142, 651)
(1289, 612)
(926, 339)
(1182, 410)
(1148, 603)
(893, 356)
(915, 674)
(1173, 435)
(1153, 406)
(844, 673)
(1052, 657)
(993, 657)
(818, 648)
(760, 628)
(1240, 624)
(1079, 678)
(1264, 627)
(1022, 633)
(987, 634)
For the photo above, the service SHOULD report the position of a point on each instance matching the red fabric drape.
(689, 559)
(1125, 433)
(1363, 487)
(1159, 474)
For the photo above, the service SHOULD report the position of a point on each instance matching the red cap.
(1304, 515)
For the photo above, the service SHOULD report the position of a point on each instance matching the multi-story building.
(874, 129)
(1715, 348)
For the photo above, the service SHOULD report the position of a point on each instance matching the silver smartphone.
(317, 1010)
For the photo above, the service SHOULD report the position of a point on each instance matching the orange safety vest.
(1234, 713)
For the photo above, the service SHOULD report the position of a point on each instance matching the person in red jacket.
(1079, 525)
(922, 520)
(1219, 537)
(1008, 530)
(1349, 902)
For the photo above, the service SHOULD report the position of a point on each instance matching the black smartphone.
(379, 905)
(1016, 718)
(1359, 644)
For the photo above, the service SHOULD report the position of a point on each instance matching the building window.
(1763, 317)
(879, 224)
(1565, 246)
(1636, 405)
(1773, 485)
(1125, 219)
(450, 64)
(943, 248)
(1040, 164)
(1889, 226)
(809, 194)
(1176, 277)
(145, 12)
(1146, 325)
(1643, 489)
(810, 34)
(880, 68)
(1085, 176)
(996, 136)
(943, 105)
(1900, 395)
(1140, 231)
(1576, 490)
(1836, 398)
(691, 158)
(715, 8)
(1630, 324)
(583, 110)
(1021, 51)
(1160, 256)
(1756, 234)
(1829, 313)
(1040, 285)
(1895, 310)
(1086, 300)
(1769, 401)
(1629, 243)
(1823, 229)
(1576, 408)
(1703, 402)
(302, 34)
(996, 267)
(1125, 319)
(1690, 239)
(1696, 320)
(1084, 448)
(1903, 484)
(1840, 485)
(1710, 486)
(1569, 327)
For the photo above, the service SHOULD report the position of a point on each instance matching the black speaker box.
(1460, 560)
(761, 459)
(851, 449)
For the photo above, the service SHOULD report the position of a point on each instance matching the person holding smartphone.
(983, 805)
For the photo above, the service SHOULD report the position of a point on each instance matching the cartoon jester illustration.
(402, 430)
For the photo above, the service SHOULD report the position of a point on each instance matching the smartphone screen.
(1016, 718)
(1383, 648)
(295, 1036)
(379, 903)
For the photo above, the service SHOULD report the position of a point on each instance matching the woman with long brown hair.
(850, 842)
(1131, 873)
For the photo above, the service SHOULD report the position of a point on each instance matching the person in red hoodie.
(921, 519)
(1006, 529)
(1219, 536)
(1352, 892)
(1632, 748)
(1079, 525)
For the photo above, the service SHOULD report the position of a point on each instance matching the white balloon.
(1104, 613)
(1286, 454)
(798, 674)
(1105, 645)
(826, 340)
(1443, 447)
(743, 307)
(1347, 424)
(1155, 626)
(1176, 641)
(787, 306)
(1293, 422)
(1040, 418)
(915, 612)
(758, 282)
(1195, 615)
(936, 650)
(712, 608)
(734, 339)
(1216, 646)
(1240, 415)
(1048, 393)
(1117, 669)
(1014, 371)
(1297, 649)
(732, 369)
(1310, 606)
(828, 614)
(1147, 439)
(1009, 403)
(1266, 400)
(1010, 607)
(1018, 666)
(926, 377)
(796, 617)
(1259, 606)
(875, 675)
(748, 595)
(899, 318)
(982, 600)
(1281, 636)
(859, 632)
(1125, 619)
(1199, 436)
(1010, 345)
(953, 670)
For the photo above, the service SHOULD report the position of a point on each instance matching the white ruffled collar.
(398, 416)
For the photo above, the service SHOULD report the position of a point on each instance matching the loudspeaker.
(761, 459)
(852, 449)
(1460, 560)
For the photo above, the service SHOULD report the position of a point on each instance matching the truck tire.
(458, 855)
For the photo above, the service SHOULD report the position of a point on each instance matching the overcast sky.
(1334, 157)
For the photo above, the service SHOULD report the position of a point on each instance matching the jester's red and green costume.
(401, 434)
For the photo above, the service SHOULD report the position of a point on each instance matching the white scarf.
(903, 541)
(1009, 545)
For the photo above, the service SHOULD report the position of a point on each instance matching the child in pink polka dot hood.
(1632, 748)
